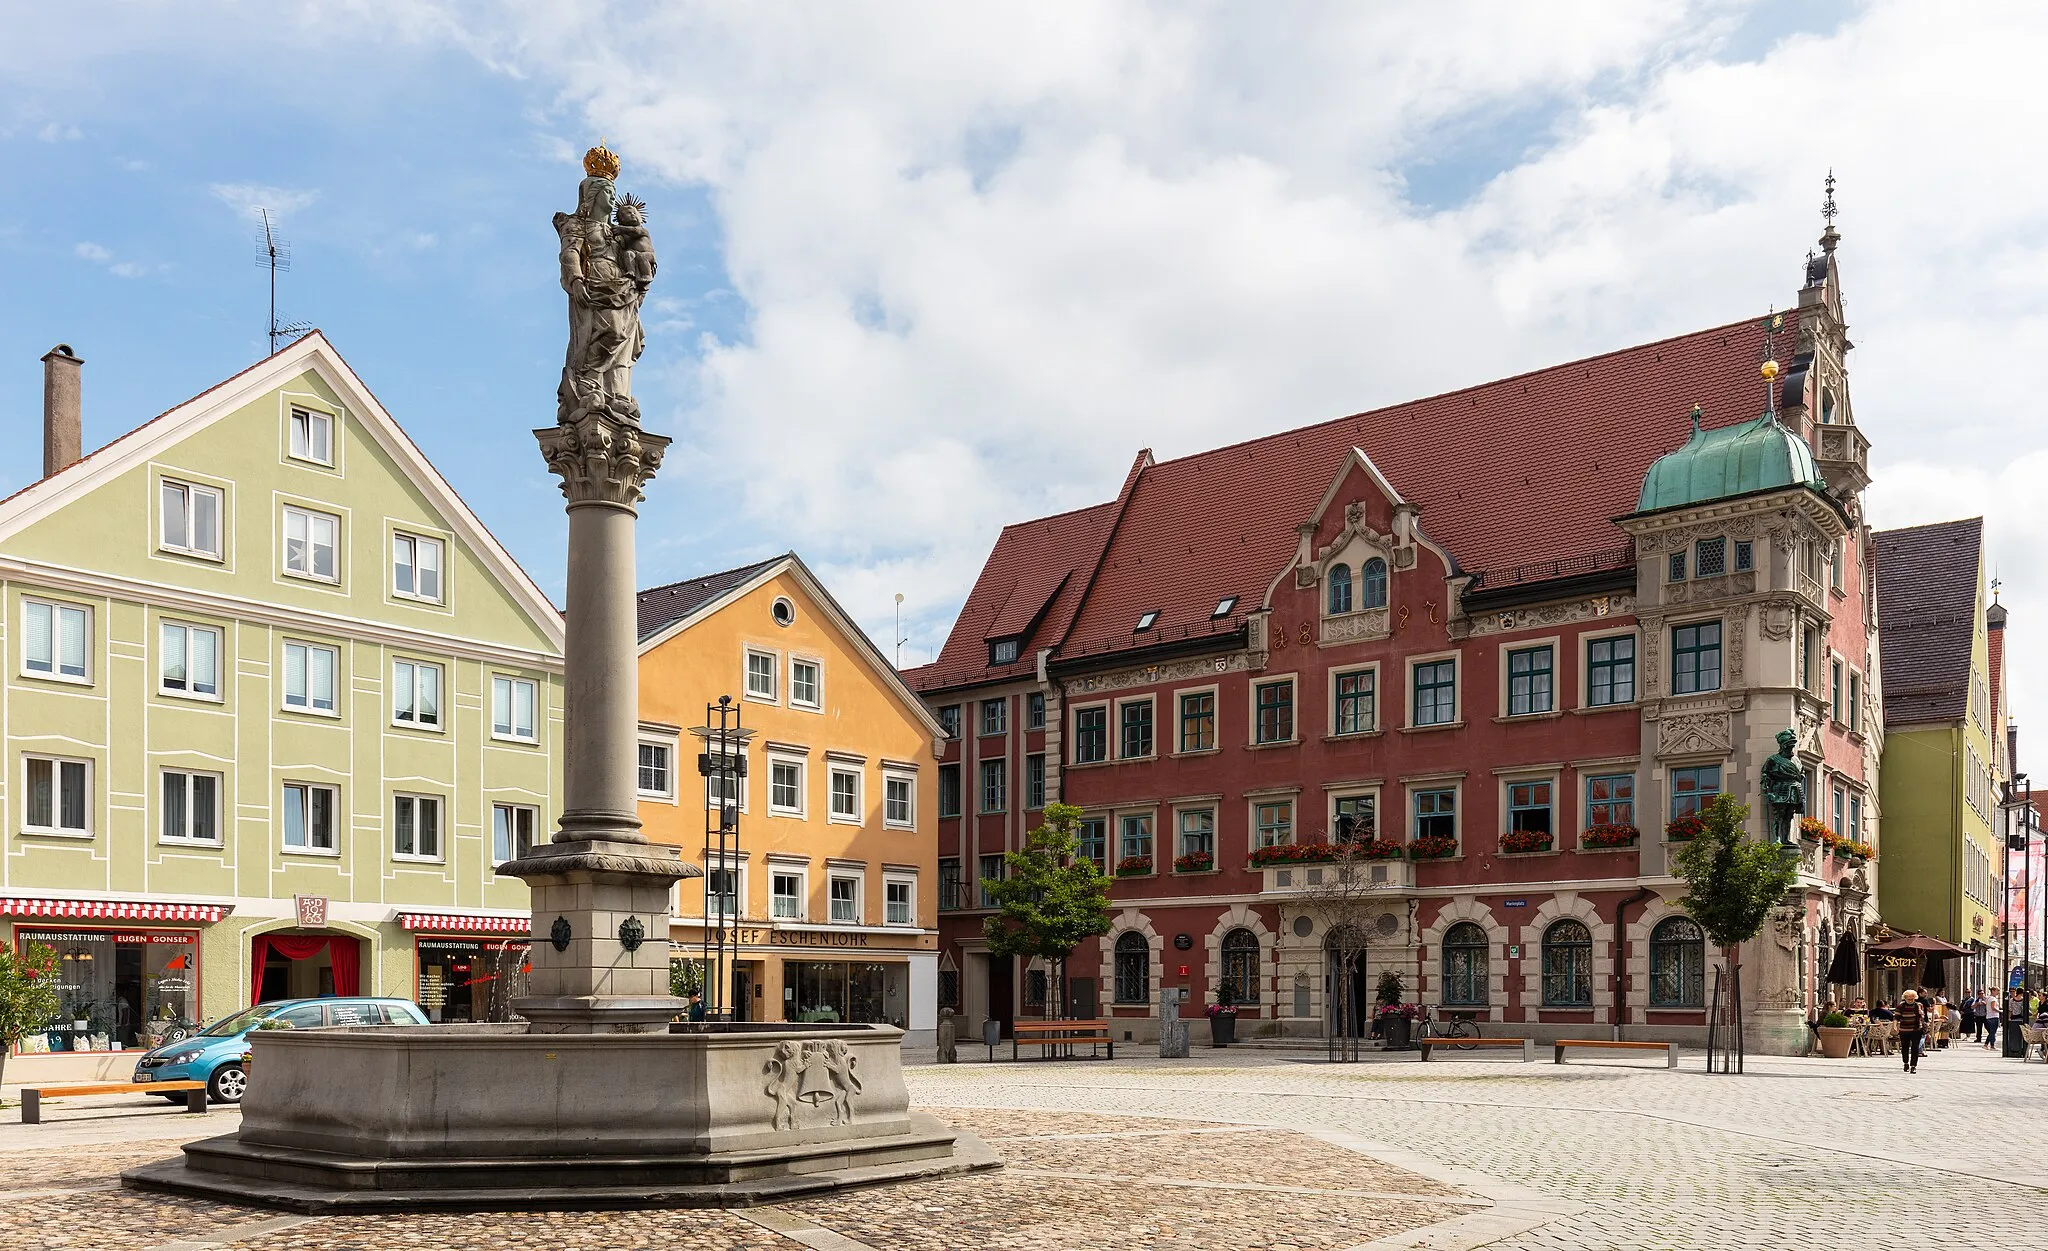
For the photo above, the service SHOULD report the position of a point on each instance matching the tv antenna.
(276, 255)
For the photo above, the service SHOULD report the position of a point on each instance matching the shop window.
(512, 831)
(512, 705)
(1465, 953)
(308, 817)
(191, 519)
(899, 798)
(786, 896)
(845, 899)
(1372, 584)
(125, 988)
(416, 568)
(309, 544)
(309, 677)
(1133, 968)
(1273, 823)
(1611, 799)
(312, 437)
(829, 991)
(56, 796)
(845, 795)
(1678, 964)
(1198, 721)
(1135, 720)
(1436, 692)
(191, 807)
(1611, 671)
(806, 684)
(1567, 965)
(469, 979)
(1354, 703)
(54, 639)
(416, 827)
(1529, 681)
(899, 902)
(1275, 704)
(1091, 735)
(188, 660)
(415, 694)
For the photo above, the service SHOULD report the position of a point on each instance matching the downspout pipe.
(1642, 894)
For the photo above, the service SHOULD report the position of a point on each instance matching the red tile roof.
(1927, 618)
(1530, 468)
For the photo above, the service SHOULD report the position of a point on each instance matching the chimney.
(63, 432)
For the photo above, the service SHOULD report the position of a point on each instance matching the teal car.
(215, 1054)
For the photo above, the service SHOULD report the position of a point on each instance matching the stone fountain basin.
(467, 1116)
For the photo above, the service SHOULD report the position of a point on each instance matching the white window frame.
(419, 803)
(308, 848)
(893, 878)
(817, 667)
(311, 572)
(833, 772)
(859, 878)
(669, 744)
(314, 418)
(410, 719)
(189, 507)
(801, 871)
(1457, 660)
(512, 713)
(747, 691)
(57, 765)
(420, 542)
(512, 830)
(284, 679)
(189, 630)
(891, 777)
(780, 760)
(55, 673)
(163, 811)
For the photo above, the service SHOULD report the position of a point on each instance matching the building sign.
(762, 936)
(312, 911)
(1514, 903)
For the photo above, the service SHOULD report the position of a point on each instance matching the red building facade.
(1508, 634)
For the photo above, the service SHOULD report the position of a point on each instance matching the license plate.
(145, 1077)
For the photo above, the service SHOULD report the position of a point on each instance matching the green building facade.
(1944, 760)
(274, 703)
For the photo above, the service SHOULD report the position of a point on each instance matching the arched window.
(1133, 968)
(1372, 584)
(1340, 589)
(1827, 407)
(1241, 965)
(1678, 964)
(1567, 965)
(1465, 964)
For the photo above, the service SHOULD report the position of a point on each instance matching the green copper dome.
(1733, 460)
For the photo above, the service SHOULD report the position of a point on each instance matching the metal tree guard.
(723, 766)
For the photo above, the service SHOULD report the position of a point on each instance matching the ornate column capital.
(601, 460)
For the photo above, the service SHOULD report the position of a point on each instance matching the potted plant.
(1835, 1036)
(1223, 1017)
(1522, 842)
(1134, 866)
(1387, 1020)
(1610, 836)
(1684, 829)
(1194, 862)
(1433, 847)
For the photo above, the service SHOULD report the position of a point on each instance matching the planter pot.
(1222, 1029)
(1834, 1043)
(1395, 1030)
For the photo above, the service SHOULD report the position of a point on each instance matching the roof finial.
(1828, 237)
(1772, 324)
(1696, 415)
(1995, 584)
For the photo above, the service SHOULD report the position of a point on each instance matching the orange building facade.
(834, 884)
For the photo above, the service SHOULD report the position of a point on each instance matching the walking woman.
(1912, 1018)
(1990, 1020)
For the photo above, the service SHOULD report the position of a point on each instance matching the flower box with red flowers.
(1815, 831)
(1134, 866)
(1433, 847)
(1193, 862)
(1323, 853)
(1609, 836)
(1851, 850)
(1685, 829)
(1523, 842)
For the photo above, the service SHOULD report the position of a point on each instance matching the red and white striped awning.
(465, 923)
(112, 910)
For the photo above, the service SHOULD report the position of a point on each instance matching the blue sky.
(929, 269)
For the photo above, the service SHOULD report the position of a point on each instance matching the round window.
(1303, 927)
(785, 612)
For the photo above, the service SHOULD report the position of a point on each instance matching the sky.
(928, 269)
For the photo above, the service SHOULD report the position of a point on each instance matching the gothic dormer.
(1815, 398)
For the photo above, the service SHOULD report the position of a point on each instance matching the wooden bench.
(1528, 1045)
(1060, 1034)
(32, 1096)
(1670, 1050)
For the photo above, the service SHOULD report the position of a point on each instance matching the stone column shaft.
(601, 714)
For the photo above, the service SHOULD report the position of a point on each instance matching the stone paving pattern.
(1218, 1152)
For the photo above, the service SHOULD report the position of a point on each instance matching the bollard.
(1173, 1031)
(949, 1037)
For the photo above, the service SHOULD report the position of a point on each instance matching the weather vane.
(1827, 206)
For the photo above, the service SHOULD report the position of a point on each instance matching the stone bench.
(1670, 1050)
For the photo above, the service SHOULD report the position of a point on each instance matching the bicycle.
(1454, 1028)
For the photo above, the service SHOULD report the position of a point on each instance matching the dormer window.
(1223, 607)
(1003, 652)
(1146, 621)
(1338, 598)
(1709, 558)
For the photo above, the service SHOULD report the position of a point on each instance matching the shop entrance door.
(1002, 991)
(742, 993)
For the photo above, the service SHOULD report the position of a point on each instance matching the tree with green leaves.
(1732, 883)
(28, 995)
(1049, 900)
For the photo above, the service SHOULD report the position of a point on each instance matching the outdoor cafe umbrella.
(1847, 969)
(1934, 972)
(1925, 943)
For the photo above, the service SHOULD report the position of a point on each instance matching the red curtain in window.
(345, 954)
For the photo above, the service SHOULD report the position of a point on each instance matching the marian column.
(601, 889)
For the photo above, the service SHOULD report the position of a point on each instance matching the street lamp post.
(723, 765)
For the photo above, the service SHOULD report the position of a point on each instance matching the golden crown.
(601, 162)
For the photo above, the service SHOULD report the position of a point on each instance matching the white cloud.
(93, 252)
(249, 199)
(127, 269)
(59, 132)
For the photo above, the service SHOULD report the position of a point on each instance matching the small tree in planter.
(28, 995)
(1732, 883)
(1223, 1017)
(1050, 900)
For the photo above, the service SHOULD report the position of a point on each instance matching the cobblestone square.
(1266, 1150)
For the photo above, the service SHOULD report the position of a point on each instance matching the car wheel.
(228, 1084)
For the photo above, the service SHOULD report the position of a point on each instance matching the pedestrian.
(696, 1009)
(1990, 1021)
(1912, 1018)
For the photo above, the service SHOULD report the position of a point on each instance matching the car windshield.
(239, 1022)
